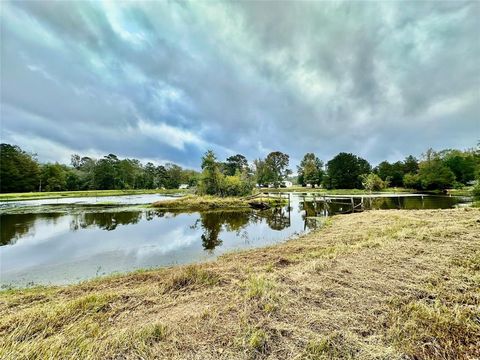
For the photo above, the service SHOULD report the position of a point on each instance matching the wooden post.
(353, 205)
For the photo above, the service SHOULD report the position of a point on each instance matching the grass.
(84, 193)
(207, 202)
(372, 285)
(465, 191)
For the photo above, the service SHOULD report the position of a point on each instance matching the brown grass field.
(372, 285)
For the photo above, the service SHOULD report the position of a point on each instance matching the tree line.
(440, 170)
(21, 172)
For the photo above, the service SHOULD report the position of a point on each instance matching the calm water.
(81, 242)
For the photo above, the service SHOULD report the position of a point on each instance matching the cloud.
(167, 80)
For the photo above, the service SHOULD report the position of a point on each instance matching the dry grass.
(372, 285)
(207, 202)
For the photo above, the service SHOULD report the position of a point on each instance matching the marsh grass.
(207, 202)
(372, 285)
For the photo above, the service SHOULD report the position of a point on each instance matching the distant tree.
(149, 176)
(235, 164)
(344, 171)
(211, 177)
(276, 164)
(462, 163)
(310, 170)
(19, 171)
(105, 174)
(87, 171)
(73, 180)
(54, 177)
(393, 173)
(412, 181)
(160, 176)
(190, 177)
(410, 165)
(75, 161)
(433, 174)
(173, 176)
(261, 172)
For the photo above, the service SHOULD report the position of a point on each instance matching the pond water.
(66, 244)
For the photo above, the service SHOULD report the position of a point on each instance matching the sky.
(164, 81)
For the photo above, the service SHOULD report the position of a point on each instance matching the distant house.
(183, 186)
(287, 184)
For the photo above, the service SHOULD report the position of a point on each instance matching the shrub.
(373, 182)
(412, 181)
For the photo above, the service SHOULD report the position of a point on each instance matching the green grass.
(465, 191)
(84, 193)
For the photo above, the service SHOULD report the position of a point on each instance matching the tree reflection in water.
(277, 218)
(15, 226)
(212, 222)
(105, 220)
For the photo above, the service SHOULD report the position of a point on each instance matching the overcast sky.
(164, 81)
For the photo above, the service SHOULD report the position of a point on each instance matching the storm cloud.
(164, 81)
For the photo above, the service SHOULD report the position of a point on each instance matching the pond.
(67, 243)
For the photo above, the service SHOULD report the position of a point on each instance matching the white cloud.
(168, 135)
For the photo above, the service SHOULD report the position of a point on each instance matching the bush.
(412, 181)
(373, 182)
(476, 189)
(231, 186)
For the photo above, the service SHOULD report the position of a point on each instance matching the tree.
(410, 165)
(462, 163)
(75, 161)
(173, 176)
(310, 170)
(392, 173)
(412, 181)
(235, 163)
(276, 164)
(54, 177)
(19, 171)
(211, 177)
(149, 176)
(344, 171)
(433, 175)
(105, 173)
(261, 175)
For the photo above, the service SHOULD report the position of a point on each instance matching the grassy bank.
(85, 193)
(465, 191)
(201, 203)
(372, 285)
